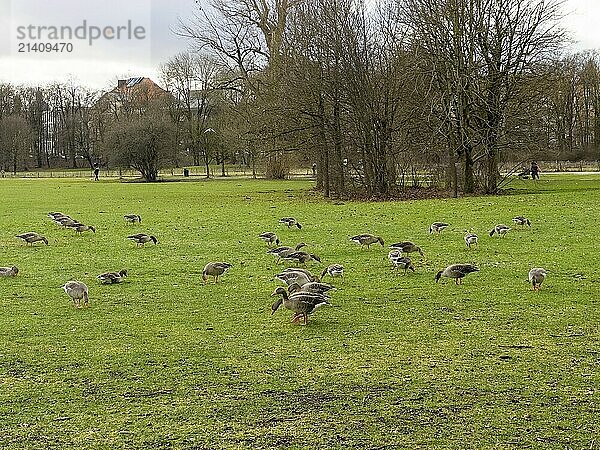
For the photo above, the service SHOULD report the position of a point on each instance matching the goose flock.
(77, 290)
(305, 291)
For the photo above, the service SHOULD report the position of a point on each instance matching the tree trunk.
(337, 144)
(326, 185)
(469, 186)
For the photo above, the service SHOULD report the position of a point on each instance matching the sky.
(127, 38)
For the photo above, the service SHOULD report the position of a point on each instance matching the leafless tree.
(145, 143)
(16, 138)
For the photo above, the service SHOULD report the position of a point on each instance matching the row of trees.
(373, 92)
(378, 95)
(53, 124)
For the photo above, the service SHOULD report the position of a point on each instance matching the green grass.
(163, 361)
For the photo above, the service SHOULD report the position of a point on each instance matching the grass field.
(163, 361)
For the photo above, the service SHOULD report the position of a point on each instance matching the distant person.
(535, 171)
(96, 173)
(314, 169)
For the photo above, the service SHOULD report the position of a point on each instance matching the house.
(133, 94)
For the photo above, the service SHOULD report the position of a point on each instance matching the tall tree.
(145, 143)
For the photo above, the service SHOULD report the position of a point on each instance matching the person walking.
(96, 173)
(535, 171)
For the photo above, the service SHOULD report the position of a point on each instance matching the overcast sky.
(100, 64)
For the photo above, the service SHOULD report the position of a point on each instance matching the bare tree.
(476, 53)
(146, 143)
(16, 138)
(191, 79)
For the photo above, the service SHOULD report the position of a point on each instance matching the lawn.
(163, 361)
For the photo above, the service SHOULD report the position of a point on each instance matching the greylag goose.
(500, 230)
(290, 277)
(141, 239)
(281, 252)
(301, 257)
(407, 247)
(215, 270)
(537, 275)
(334, 270)
(456, 271)
(313, 287)
(366, 239)
(32, 237)
(396, 258)
(520, 220)
(112, 277)
(78, 291)
(438, 227)
(290, 222)
(132, 218)
(471, 239)
(80, 228)
(301, 303)
(8, 271)
(269, 237)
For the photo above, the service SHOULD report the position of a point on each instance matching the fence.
(192, 172)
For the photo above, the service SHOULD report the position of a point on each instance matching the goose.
(294, 277)
(313, 287)
(306, 272)
(8, 271)
(66, 221)
(366, 239)
(57, 215)
(290, 222)
(80, 228)
(438, 227)
(537, 275)
(32, 237)
(501, 230)
(132, 218)
(112, 277)
(77, 291)
(334, 270)
(396, 258)
(215, 270)
(456, 271)
(141, 238)
(301, 257)
(281, 252)
(520, 220)
(269, 237)
(407, 247)
(471, 239)
(301, 303)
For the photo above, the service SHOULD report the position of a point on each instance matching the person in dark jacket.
(535, 170)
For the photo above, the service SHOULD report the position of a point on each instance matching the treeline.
(46, 126)
(380, 96)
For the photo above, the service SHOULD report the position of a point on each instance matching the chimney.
(121, 84)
